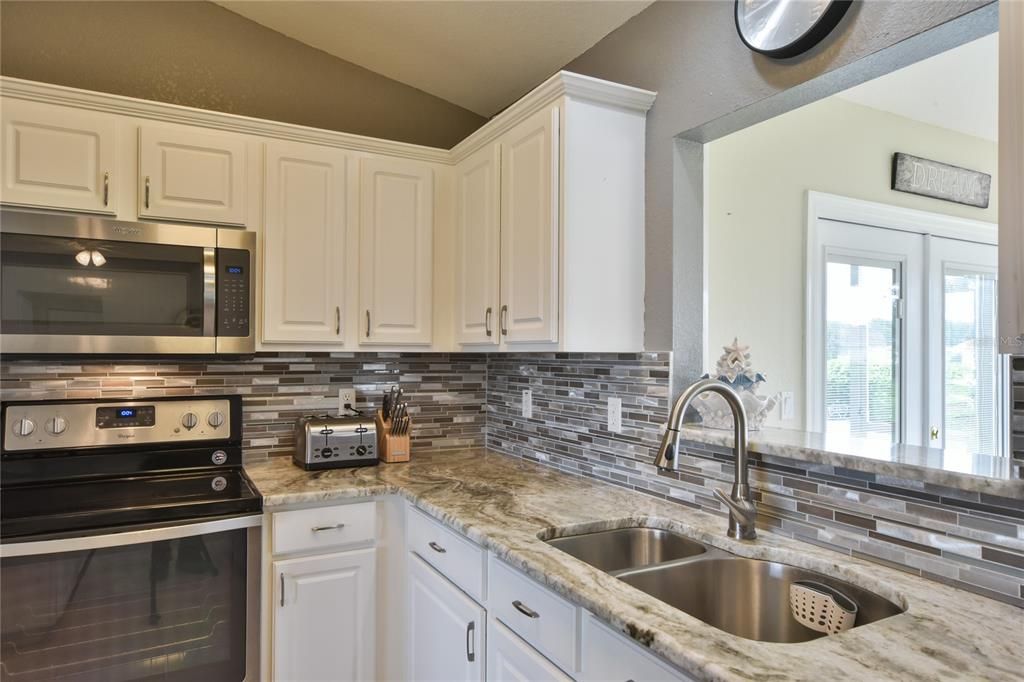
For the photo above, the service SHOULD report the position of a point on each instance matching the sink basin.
(748, 597)
(628, 548)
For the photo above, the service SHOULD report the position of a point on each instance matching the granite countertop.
(980, 473)
(504, 503)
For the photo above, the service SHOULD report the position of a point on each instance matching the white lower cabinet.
(446, 628)
(607, 655)
(324, 611)
(510, 659)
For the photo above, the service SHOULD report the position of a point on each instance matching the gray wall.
(201, 55)
(710, 84)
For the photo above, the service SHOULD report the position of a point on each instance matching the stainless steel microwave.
(86, 285)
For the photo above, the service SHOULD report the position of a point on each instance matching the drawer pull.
(337, 526)
(436, 547)
(525, 610)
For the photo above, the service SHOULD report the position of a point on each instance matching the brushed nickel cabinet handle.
(337, 320)
(436, 547)
(504, 320)
(320, 529)
(487, 322)
(367, 324)
(282, 589)
(470, 649)
(106, 189)
(525, 610)
(147, 191)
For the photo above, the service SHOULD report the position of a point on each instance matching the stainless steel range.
(129, 541)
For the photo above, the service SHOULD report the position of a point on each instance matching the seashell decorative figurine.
(734, 368)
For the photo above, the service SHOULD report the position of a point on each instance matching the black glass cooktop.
(67, 508)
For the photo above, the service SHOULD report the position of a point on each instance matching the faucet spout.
(742, 510)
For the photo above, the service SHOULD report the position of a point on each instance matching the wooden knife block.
(391, 448)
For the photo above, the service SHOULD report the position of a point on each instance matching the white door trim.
(837, 208)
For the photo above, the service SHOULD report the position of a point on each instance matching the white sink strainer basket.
(821, 608)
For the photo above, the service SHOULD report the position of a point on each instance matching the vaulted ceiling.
(480, 54)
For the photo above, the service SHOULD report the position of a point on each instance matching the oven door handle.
(132, 537)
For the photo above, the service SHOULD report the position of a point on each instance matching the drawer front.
(535, 613)
(459, 559)
(324, 527)
(510, 659)
(607, 655)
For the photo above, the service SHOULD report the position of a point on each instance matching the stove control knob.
(189, 420)
(57, 425)
(215, 419)
(24, 427)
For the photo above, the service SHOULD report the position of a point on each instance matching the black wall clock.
(786, 28)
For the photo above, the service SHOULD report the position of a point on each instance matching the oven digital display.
(235, 270)
(125, 417)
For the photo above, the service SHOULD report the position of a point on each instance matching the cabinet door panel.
(445, 628)
(304, 244)
(56, 157)
(510, 659)
(324, 617)
(191, 176)
(396, 251)
(477, 247)
(529, 230)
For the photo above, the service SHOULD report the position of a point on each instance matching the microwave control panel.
(233, 295)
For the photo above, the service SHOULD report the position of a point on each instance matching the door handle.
(487, 322)
(367, 324)
(337, 320)
(106, 188)
(147, 191)
(282, 589)
(470, 648)
(504, 320)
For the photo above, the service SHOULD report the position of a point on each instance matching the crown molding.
(173, 113)
(562, 84)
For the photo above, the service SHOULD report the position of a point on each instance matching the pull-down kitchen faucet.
(742, 511)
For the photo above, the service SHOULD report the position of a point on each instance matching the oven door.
(87, 285)
(172, 603)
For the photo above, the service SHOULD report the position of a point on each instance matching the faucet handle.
(742, 515)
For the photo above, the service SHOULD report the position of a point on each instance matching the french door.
(903, 339)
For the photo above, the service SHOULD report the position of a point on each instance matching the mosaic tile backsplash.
(1017, 416)
(446, 393)
(971, 540)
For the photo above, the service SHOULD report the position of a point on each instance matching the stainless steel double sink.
(745, 597)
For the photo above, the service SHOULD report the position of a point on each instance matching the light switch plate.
(787, 405)
(615, 415)
(528, 404)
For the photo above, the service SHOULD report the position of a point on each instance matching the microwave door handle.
(209, 292)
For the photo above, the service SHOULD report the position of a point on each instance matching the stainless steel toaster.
(328, 442)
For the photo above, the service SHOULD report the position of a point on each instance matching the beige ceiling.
(479, 54)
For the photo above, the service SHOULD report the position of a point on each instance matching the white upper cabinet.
(191, 176)
(477, 242)
(529, 230)
(304, 244)
(396, 251)
(58, 157)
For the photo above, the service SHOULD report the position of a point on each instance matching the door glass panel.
(862, 350)
(969, 359)
(56, 285)
(168, 610)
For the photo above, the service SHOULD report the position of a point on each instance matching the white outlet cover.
(787, 405)
(346, 395)
(615, 415)
(528, 404)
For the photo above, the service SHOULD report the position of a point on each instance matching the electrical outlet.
(787, 405)
(346, 396)
(615, 415)
(528, 404)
